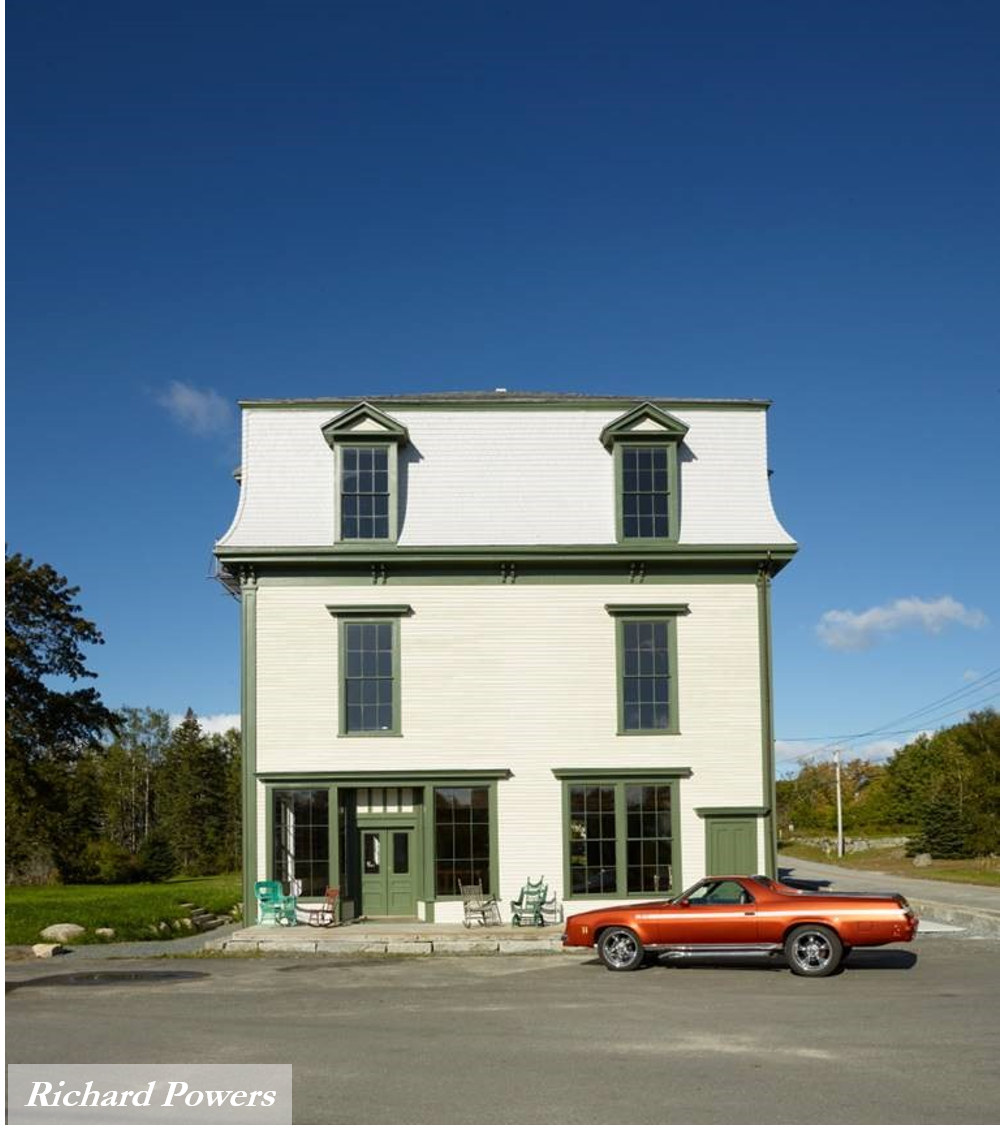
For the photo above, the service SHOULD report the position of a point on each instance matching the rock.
(48, 949)
(187, 924)
(923, 860)
(105, 932)
(63, 931)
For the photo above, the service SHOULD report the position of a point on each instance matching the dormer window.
(366, 445)
(365, 500)
(644, 444)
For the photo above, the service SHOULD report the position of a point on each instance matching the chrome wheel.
(813, 951)
(620, 949)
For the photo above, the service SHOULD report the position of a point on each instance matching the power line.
(965, 690)
(934, 723)
(938, 706)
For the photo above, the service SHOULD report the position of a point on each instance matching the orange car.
(745, 916)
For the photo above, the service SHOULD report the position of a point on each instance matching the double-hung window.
(645, 445)
(646, 667)
(366, 444)
(369, 668)
(365, 500)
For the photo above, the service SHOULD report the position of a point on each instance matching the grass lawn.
(130, 909)
(892, 860)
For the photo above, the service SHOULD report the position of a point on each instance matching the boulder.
(63, 931)
(105, 931)
(48, 949)
(923, 860)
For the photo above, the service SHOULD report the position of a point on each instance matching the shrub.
(106, 862)
(155, 861)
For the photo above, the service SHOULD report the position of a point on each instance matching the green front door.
(732, 846)
(388, 864)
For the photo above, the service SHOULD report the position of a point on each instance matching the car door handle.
(749, 913)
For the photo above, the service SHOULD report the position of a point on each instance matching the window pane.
(400, 853)
(645, 680)
(644, 492)
(364, 492)
(372, 853)
(592, 839)
(649, 849)
(369, 680)
(462, 838)
(300, 835)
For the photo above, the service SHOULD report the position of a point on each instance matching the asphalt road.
(904, 1035)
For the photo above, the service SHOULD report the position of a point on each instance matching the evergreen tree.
(945, 834)
(48, 730)
(192, 794)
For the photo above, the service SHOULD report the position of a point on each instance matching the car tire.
(620, 949)
(813, 951)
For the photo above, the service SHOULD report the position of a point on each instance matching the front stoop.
(391, 938)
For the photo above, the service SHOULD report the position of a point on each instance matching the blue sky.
(799, 201)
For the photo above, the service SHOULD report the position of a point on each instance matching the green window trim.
(373, 611)
(732, 812)
(619, 781)
(672, 493)
(392, 468)
(628, 431)
(656, 614)
(349, 430)
(365, 618)
(333, 820)
(431, 846)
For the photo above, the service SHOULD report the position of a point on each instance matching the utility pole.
(840, 810)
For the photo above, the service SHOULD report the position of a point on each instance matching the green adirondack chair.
(529, 906)
(274, 907)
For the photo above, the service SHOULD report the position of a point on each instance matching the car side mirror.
(684, 902)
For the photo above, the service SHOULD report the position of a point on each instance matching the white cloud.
(847, 630)
(215, 722)
(203, 412)
(971, 675)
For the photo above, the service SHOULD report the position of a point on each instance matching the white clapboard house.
(488, 637)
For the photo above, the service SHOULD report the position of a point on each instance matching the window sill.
(648, 732)
(366, 735)
(619, 897)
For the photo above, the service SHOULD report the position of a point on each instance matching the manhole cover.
(110, 978)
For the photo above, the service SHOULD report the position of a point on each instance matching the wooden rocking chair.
(477, 907)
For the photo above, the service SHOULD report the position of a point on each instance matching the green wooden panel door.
(732, 846)
(388, 863)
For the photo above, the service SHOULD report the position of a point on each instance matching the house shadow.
(409, 456)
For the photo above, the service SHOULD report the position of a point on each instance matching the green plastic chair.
(274, 907)
(528, 909)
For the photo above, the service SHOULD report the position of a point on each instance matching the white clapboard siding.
(520, 677)
(494, 478)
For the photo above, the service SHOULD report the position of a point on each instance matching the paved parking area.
(904, 1035)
